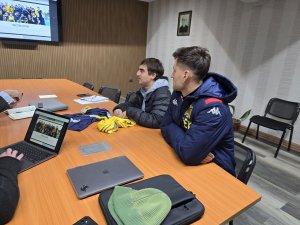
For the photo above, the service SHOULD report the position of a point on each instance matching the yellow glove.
(124, 122)
(111, 125)
(107, 125)
(85, 109)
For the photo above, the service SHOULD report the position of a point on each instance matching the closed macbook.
(96, 177)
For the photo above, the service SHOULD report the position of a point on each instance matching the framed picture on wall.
(184, 23)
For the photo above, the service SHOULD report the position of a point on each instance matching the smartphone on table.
(83, 95)
(86, 220)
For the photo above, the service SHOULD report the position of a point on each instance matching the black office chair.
(130, 95)
(113, 94)
(277, 109)
(245, 162)
(88, 85)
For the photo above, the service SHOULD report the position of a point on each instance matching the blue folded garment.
(79, 121)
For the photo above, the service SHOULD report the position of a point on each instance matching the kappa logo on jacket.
(215, 111)
(74, 120)
(175, 102)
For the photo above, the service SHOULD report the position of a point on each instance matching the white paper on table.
(21, 112)
(47, 96)
(91, 100)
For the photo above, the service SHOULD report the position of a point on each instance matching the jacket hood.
(157, 84)
(217, 86)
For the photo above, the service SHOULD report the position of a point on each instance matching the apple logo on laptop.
(84, 187)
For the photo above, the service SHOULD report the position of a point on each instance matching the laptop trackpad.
(25, 164)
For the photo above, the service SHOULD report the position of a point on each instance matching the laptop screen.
(47, 130)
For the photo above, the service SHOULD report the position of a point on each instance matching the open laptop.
(43, 139)
(50, 105)
(96, 177)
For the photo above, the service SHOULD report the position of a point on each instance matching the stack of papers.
(21, 112)
(91, 99)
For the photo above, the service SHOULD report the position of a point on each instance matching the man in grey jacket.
(151, 101)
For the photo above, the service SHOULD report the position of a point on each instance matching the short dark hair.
(196, 58)
(154, 66)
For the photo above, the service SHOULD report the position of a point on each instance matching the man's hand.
(119, 113)
(14, 94)
(124, 114)
(208, 158)
(12, 153)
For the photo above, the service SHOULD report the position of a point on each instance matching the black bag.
(186, 208)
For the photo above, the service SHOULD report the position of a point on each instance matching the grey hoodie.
(157, 84)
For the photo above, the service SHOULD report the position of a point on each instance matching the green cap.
(147, 206)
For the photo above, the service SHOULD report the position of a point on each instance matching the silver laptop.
(50, 105)
(43, 139)
(96, 177)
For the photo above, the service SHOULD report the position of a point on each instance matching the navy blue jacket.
(201, 123)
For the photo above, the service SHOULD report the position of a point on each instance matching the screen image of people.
(47, 129)
(24, 12)
(21, 18)
(46, 132)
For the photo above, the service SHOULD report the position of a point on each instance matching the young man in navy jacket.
(198, 122)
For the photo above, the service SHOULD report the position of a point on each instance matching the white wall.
(256, 45)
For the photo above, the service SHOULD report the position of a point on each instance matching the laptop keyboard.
(30, 153)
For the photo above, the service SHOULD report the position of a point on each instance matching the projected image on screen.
(29, 20)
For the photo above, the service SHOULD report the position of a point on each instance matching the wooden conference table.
(46, 194)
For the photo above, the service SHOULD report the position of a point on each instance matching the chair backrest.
(88, 85)
(130, 95)
(246, 160)
(283, 109)
(113, 94)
